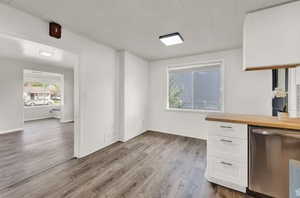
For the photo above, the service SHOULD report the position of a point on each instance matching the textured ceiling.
(135, 25)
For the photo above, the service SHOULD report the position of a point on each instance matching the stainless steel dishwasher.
(274, 161)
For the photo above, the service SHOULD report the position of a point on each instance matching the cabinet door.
(228, 130)
(227, 170)
(294, 92)
(271, 37)
(233, 148)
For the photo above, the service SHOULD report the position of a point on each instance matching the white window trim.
(41, 106)
(197, 65)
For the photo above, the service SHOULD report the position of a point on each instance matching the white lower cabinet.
(227, 155)
(232, 148)
(228, 172)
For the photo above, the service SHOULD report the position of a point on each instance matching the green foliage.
(36, 84)
(175, 93)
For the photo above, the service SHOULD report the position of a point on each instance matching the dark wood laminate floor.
(43, 144)
(152, 165)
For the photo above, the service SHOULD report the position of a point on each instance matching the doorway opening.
(39, 106)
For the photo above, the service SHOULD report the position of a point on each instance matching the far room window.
(196, 87)
(40, 94)
(42, 88)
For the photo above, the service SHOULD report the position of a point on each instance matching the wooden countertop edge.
(281, 123)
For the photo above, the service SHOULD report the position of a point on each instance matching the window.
(197, 87)
(40, 93)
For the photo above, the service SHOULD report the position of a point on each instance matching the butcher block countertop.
(256, 120)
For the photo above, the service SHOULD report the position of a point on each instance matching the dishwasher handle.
(276, 132)
(262, 132)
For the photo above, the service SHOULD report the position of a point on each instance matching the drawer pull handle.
(226, 127)
(223, 140)
(226, 163)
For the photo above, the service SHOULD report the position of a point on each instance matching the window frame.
(44, 105)
(197, 65)
(60, 83)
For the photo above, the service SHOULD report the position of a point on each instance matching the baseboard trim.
(66, 121)
(12, 131)
(170, 133)
(89, 152)
(40, 118)
(242, 189)
(129, 138)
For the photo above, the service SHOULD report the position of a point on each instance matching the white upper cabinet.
(272, 37)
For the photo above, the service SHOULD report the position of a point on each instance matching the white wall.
(244, 92)
(41, 112)
(97, 72)
(14, 120)
(134, 74)
(68, 107)
(11, 97)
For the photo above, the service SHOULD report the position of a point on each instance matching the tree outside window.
(175, 93)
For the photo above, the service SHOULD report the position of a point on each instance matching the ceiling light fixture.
(171, 39)
(47, 54)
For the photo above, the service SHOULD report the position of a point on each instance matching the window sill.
(193, 110)
(42, 106)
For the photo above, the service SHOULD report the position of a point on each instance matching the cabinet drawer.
(228, 130)
(227, 171)
(232, 148)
